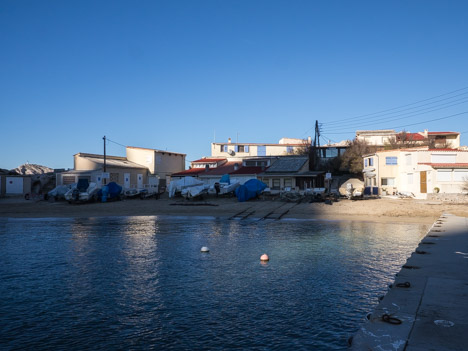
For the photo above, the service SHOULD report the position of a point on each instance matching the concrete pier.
(426, 308)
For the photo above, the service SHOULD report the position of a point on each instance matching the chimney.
(229, 140)
(425, 133)
(309, 140)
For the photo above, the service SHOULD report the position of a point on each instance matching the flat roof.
(156, 150)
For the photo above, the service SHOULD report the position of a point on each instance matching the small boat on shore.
(83, 191)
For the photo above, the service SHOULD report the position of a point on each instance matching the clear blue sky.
(175, 74)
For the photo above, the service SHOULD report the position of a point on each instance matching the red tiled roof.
(226, 168)
(446, 165)
(413, 136)
(445, 150)
(250, 170)
(208, 160)
(188, 172)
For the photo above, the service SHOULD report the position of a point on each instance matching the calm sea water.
(139, 283)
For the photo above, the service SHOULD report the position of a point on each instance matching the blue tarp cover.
(225, 179)
(249, 190)
(113, 190)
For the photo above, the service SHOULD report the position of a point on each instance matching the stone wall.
(445, 197)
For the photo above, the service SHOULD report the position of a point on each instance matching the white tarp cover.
(186, 182)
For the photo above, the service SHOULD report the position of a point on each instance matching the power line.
(411, 108)
(405, 116)
(402, 106)
(431, 120)
(408, 125)
(116, 143)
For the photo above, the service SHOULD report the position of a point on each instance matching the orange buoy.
(264, 257)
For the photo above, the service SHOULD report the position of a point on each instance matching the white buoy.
(205, 249)
(264, 257)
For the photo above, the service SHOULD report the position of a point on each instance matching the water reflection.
(142, 282)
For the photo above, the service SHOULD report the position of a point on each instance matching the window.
(443, 158)
(365, 162)
(287, 182)
(251, 163)
(225, 148)
(371, 161)
(331, 152)
(444, 175)
(68, 180)
(261, 150)
(460, 176)
(408, 159)
(391, 160)
(289, 149)
(114, 177)
(276, 184)
(240, 148)
(410, 178)
(388, 181)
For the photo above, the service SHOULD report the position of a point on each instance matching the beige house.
(285, 146)
(91, 167)
(417, 170)
(376, 137)
(140, 168)
(158, 162)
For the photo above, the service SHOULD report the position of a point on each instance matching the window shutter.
(236, 148)
(246, 148)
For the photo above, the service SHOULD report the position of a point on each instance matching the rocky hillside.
(32, 169)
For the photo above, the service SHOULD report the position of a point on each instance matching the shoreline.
(424, 308)
(372, 210)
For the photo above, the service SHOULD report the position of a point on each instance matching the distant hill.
(32, 169)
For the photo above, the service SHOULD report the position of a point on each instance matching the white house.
(417, 170)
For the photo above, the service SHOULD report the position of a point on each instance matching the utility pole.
(315, 149)
(104, 138)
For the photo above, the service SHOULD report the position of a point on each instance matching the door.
(126, 180)
(423, 182)
(140, 181)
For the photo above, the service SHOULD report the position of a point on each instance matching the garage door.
(14, 185)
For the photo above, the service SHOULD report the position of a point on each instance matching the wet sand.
(381, 210)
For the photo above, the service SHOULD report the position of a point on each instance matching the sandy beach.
(382, 210)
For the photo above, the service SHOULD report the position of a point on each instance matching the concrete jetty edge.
(426, 307)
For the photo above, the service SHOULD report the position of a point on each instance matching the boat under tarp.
(250, 190)
(176, 186)
(111, 191)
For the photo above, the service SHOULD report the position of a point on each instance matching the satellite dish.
(231, 152)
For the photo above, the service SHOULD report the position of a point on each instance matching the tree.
(351, 160)
(465, 186)
(402, 140)
(302, 150)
